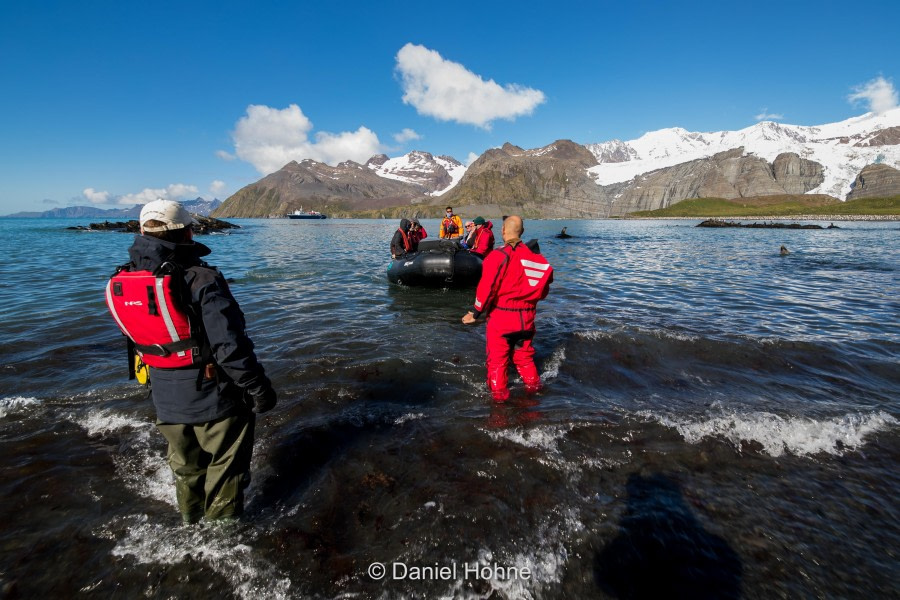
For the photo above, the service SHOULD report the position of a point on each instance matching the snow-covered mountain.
(843, 148)
(614, 178)
(435, 173)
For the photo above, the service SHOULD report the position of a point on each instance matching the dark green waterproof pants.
(211, 463)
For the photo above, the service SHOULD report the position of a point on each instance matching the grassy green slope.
(776, 206)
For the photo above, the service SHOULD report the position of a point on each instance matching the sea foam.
(801, 436)
(233, 559)
(544, 561)
(544, 437)
(139, 463)
(101, 423)
(16, 404)
(556, 360)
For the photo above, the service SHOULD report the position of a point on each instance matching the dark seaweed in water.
(718, 421)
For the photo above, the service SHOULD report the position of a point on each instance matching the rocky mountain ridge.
(345, 188)
(566, 179)
(556, 181)
(199, 206)
(876, 181)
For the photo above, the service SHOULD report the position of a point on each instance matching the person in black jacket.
(401, 243)
(207, 411)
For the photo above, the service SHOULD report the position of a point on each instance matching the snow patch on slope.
(417, 167)
(832, 145)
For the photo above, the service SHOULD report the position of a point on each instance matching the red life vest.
(146, 310)
(406, 244)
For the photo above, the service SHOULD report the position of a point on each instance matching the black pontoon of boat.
(438, 263)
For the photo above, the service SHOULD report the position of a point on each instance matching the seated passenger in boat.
(483, 241)
(469, 237)
(417, 233)
(402, 242)
(451, 226)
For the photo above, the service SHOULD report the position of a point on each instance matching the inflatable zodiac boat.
(438, 263)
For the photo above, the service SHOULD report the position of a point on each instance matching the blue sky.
(117, 102)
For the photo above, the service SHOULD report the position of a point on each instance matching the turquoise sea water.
(718, 421)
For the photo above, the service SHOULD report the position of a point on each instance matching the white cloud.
(406, 135)
(359, 145)
(217, 188)
(448, 91)
(225, 155)
(471, 158)
(766, 116)
(175, 191)
(269, 138)
(96, 197)
(879, 93)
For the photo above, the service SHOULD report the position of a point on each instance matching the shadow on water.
(662, 551)
(302, 454)
(428, 303)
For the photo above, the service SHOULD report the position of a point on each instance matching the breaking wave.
(16, 404)
(140, 463)
(777, 435)
(214, 545)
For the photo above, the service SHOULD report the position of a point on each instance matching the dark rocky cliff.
(548, 182)
(553, 181)
(876, 181)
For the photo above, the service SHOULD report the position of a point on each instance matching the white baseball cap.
(172, 213)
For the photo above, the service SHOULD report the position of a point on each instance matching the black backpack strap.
(167, 349)
(126, 267)
(129, 346)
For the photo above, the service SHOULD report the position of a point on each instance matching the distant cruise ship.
(299, 214)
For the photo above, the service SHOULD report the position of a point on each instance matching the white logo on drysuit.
(534, 271)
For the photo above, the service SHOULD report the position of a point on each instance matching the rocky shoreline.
(203, 225)
(763, 225)
(781, 218)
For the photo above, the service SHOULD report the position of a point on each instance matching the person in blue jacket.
(207, 411)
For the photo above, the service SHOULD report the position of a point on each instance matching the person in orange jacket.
(451, 226)
(513, 280)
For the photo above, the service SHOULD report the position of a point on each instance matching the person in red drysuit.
(417, 233)
(513, 280)
(483, 241)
